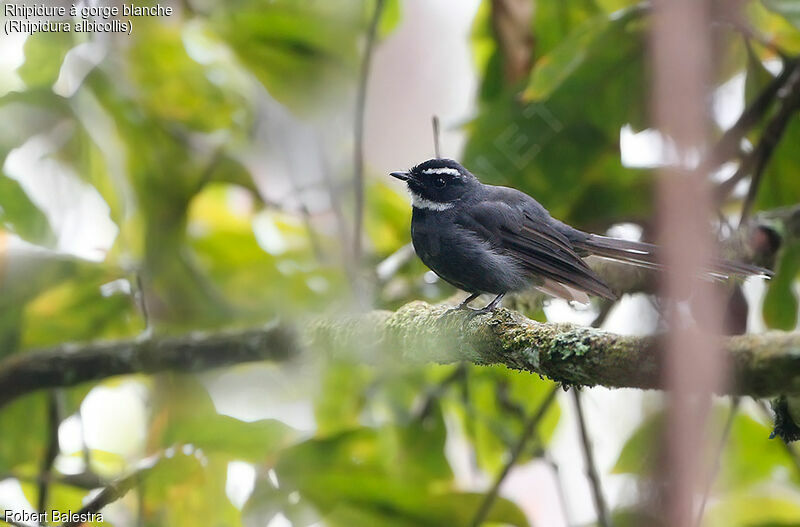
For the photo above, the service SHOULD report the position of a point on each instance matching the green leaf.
(780, 303)
(267, 501)
(188, 417)
(64, 499)
(342, 397)
(164, 180)
(174, 87)
(778, 28)
(414, 452)
(392, 14)
(248, 441)
(637, 456)
(305, 53)
(554, 23)
(750, 456)
(346, 515)
(780, 185)
(581, 45)
(757, 77)
(44, 54)
(788, 8)
(499, 403)
(548, 147)
(397, 470)
(388, 217)
(400, 499)
(23, 422)
(634, 517)
(19, 215)
(779, 509)
(77, 310)
(183, 490)
(282, 276)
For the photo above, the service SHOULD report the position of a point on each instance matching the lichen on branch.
(762, 365)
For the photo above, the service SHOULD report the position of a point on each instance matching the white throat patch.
(419, 202)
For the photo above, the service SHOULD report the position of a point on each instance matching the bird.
(488, 239)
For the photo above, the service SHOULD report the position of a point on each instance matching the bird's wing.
(517, 225)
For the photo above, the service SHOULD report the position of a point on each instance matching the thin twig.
(51, 452)
(436, 145)
(739, 23)
(770, 139)
(603, 518)
(358, 151)
(518, 411)
(141, 303)
(527, 432)
(729, 143)
(108, 495)
(305, 214)
(139, 500)
(726, 432)
(562, 496)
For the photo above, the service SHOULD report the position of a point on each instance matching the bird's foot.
(472, 312)
(464, 306)
(494, 304)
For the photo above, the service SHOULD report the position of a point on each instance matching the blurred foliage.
(167, 128)
(756, 477)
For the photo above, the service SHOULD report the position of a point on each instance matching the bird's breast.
(461, 257)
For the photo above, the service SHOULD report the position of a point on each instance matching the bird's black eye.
(439, 182)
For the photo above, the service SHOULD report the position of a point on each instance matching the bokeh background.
(202, 174)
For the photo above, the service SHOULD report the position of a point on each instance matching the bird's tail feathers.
(646, 255)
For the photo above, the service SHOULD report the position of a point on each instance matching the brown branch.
(71, 364)
(762, 365)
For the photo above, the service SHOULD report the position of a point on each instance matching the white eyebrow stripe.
(445, 170)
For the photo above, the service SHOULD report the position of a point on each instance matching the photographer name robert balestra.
(54, 516)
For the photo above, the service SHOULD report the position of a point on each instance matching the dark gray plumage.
(489, 239)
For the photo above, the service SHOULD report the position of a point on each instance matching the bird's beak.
(402, 176)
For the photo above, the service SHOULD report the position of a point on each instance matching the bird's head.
(437, 184)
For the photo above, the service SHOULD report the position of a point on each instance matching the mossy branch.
(762, 365)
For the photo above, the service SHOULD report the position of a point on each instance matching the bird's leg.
(470, 298)
(494, 304)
